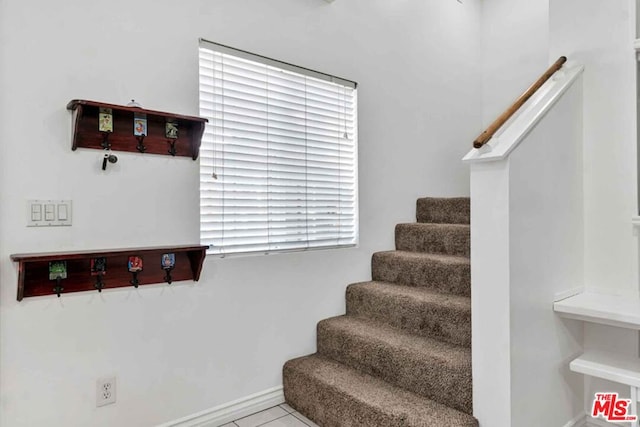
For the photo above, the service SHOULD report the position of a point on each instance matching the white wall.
(515, 48)
(526, 215)
(179, 350)
(599, 34)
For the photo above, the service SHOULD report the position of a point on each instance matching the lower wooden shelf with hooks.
(57, 273)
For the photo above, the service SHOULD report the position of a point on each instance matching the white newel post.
(490, 301)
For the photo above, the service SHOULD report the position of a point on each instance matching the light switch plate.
(48, 213)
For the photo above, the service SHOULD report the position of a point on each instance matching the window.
(278, 162)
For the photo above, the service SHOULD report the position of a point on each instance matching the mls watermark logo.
(612, 409)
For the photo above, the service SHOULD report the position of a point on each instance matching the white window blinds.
(278, 158)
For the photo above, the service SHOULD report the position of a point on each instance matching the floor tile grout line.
(294, 412)
(250, 415)
(292, 409)
(258, 425)
(302, 421)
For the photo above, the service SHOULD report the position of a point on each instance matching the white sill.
(281, 252)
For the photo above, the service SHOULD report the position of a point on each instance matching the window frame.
(352, 163)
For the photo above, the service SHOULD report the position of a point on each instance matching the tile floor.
(278, 416)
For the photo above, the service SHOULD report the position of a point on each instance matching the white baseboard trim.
(577, 421)
(230, 411)
(585, 420)
(594, 422)
(599, 422)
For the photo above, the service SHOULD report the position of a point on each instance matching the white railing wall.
(526, 248)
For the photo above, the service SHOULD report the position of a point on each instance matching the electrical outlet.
(105, 391)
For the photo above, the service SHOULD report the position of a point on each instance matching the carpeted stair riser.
(419, 311)
(444, 211)
(448, 239)
(430, 368)
(401, 356)
(334, 395)
(444, 273)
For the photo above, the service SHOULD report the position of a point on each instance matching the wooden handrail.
(493, 127)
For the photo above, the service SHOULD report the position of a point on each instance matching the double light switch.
(48, 213)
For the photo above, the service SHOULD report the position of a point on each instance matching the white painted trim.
(227, 412)
(585, 420)
(635, 220)
(514, 131)
(568, 293)
(613, 310)
(577, 421)
(608, 366)
(598, 422)
(636, 44)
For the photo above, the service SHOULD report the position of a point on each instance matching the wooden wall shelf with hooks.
(33, 268)
(86, 132)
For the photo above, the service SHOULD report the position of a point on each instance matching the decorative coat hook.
(135, 267)
(106, 144)
(111, 158)
(58, 287)
(168, 264)
(99, 283)
(141, 147)
(105, 126)
(172, 147)
(171, 133)
(99, 269)
(140, 130)
(57, 272)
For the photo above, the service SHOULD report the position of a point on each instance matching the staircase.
(401, 356)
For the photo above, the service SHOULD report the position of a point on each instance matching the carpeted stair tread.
(456, 210)
(401, 356)
(450, 239)
(446, 273)
(434, 369)
(334, 395)
(417, 310)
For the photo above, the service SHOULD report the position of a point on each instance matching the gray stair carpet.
(401, 356)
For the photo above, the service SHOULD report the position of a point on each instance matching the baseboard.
(228, 412)
(577, 421)
(595, 422)
(599, 422)
(585, 420)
